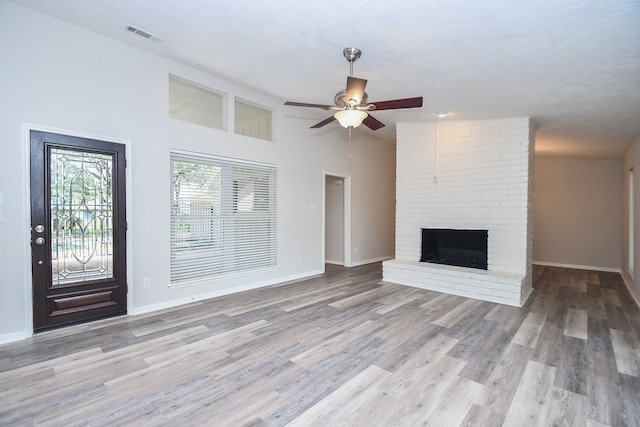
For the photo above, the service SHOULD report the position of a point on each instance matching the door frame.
(346, 179)
(26, 219)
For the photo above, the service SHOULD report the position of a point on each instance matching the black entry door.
(78, 229)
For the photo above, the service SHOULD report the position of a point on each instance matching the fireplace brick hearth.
(466, 175)
(503, 288)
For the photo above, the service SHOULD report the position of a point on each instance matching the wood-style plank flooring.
(343, 349)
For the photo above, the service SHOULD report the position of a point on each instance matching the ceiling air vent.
(145, 34)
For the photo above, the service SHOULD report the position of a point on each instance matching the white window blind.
(194, 104)
(223, 217)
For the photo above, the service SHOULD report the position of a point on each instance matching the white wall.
(373, 190)
(577, 213)
(61, 76)
(631, 159)
(466, 175)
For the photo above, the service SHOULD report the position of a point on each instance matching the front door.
(78, 229)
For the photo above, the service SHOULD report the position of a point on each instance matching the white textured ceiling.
(571, 65)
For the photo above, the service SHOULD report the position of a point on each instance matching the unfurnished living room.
(391, 213)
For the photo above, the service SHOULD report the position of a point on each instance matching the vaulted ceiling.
(571, 65)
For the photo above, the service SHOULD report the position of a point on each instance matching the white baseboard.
(12, 337)
(182, 301)
(577, 267)
(330, 261)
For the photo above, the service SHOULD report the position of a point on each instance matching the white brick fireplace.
(466, 175)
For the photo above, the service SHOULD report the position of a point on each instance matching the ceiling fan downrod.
(352, 54)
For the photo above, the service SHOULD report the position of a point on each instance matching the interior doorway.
(337, 212)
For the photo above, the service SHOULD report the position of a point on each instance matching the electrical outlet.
(146, 282)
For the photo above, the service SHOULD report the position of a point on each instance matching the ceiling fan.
(351, 103)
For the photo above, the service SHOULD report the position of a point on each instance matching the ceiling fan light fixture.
(350, 118)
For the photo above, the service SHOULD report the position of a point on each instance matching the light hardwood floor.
(345, 349)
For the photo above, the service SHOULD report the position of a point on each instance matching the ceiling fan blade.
(372, 123)
(324, 122)
(304, 104)
(355, 90)
(395, 104)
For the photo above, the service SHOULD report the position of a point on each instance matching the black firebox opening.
(463, 248)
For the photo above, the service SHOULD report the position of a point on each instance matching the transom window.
(192, 103)
(252, 121)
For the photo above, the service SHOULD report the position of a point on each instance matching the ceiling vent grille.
(145, 34)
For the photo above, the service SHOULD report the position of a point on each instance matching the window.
(223, 217)
(191, 103)
(252, 121)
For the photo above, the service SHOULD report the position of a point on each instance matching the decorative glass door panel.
(81, 216)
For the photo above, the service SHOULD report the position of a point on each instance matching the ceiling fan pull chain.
(350, 127)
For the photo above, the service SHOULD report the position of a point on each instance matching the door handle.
(40, 241)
